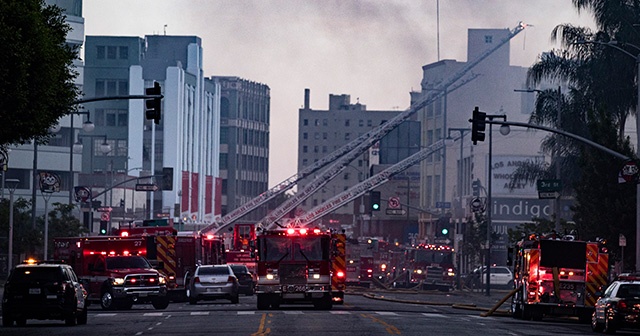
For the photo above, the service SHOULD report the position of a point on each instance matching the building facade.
(244, 143)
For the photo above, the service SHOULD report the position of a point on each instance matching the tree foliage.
(36, 70)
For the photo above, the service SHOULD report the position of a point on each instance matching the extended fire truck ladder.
(347, 152)
(374, 136)
(364, 186)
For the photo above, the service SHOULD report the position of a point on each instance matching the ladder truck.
(341, 157)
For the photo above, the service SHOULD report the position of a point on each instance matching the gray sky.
(373, 50)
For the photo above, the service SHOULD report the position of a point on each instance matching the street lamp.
(104, 147)
(614, 44)
(11, 184)
(449, 141)
(88, 127)
(504, 130)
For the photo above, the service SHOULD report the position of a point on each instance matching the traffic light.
(167, 178)
(154, 105)
(374, 200)
(103, 227)
(444, 225)
(475, 188)
(478, 125)
(121, 203)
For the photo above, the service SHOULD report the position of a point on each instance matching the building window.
(305, 122)
(361, 123)
(316, 136)
(111, 52)
(488, 39)
(100, 51)
(347, 136)
(316, 149)
(316, 122)
(347, 122)
(305, 136)
(305, 162)
(325, 136)
(305, 149)
(369, 123)
(99, 88)
(224, 135)
(124, 52)
(123, 88)
(325, 122)
(324, 149)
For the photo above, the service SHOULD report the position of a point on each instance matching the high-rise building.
(321, 132)
(186, 140)
(244, 143)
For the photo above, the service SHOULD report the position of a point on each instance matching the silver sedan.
(212, 282)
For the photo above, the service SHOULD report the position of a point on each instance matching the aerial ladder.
(361, 188)
(342, 156)
(360, 146)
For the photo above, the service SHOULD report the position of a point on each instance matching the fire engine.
(558, 277)
(431, 266)
(294, 266)
(115, 271)
(175, 254)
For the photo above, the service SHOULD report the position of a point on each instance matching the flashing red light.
(124, 234)
(303, 231)
(291, 231)
(369, 271)
(210, 236)
(340, 274)
(316, 231)
(125, 252)
(152, 279)
(133, 280)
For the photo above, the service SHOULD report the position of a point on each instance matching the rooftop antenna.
(165, 30)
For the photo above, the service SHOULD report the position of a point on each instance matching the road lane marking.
(340, 312)
(153, 314)
(391, 329)
(105, 315)
(293, 312)
(435, 315)
(261, 327)
(246, 313)
(199, 313)
(385, 313)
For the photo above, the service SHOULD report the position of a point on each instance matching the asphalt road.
(371, 313)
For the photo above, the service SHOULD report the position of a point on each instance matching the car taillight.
(340, 274)
(196, 279)
(231, 279)
(622, 304)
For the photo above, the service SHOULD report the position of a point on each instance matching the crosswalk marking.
(435, 315)
(293, 312)
(152, 314)
(246, 313)
(200, 313)
(387, 313)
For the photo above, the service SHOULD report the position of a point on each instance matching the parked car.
(617, 308)
(210, 282)
(43, 291)
(245, 279)
(500, 276)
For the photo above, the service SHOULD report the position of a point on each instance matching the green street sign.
(549, 185)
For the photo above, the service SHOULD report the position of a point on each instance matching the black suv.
(245, 279)
(43, 291)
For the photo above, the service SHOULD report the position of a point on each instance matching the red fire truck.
(114, 271)
(558, 277)
(294, 266)
(238, 249)
(175, 254)
(431, 266)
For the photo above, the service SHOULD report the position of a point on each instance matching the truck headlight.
(118, 281)
(162, 280)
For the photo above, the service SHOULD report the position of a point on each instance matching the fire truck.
(431, 266)
(115, 271)
(294, 266)
(175, 254)
(558, 277)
